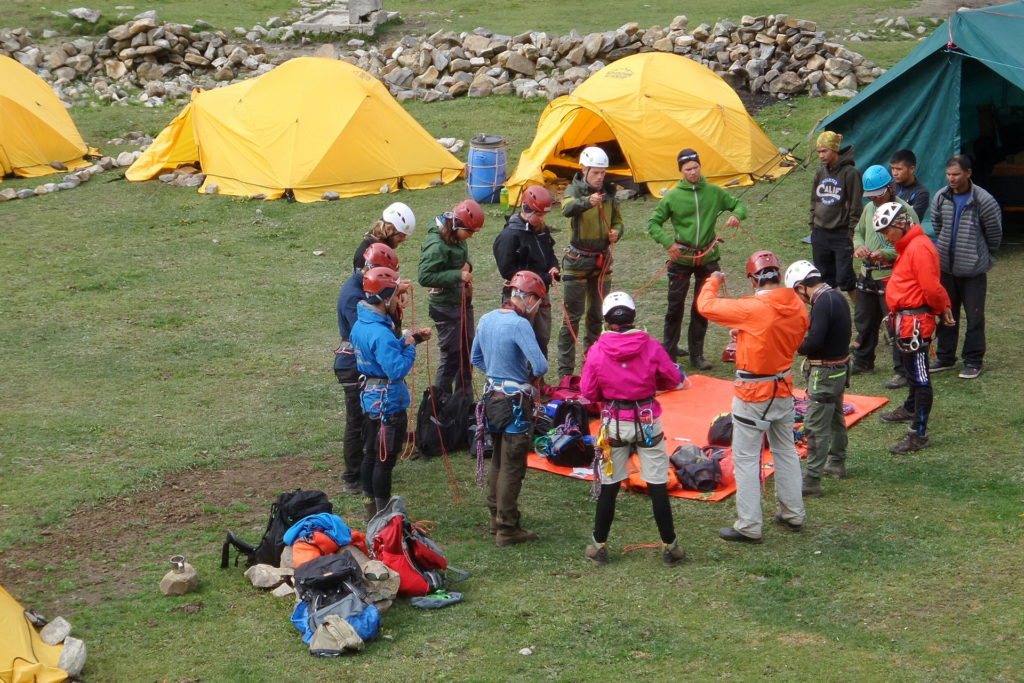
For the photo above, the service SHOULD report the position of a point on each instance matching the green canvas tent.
(960, 91)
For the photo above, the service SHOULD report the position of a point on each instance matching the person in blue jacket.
(384, 360)
(377, 254)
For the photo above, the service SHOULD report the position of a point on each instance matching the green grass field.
(167, 369)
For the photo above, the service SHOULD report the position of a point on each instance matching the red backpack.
(406, 549)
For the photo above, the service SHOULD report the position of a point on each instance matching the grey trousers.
(746, 455)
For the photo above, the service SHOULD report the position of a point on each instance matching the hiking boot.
(862, 370)
(785, 523)
(837, 470)
(598, 554)
(941, 365)
(505, 538)
(352, 488)
(812, 488)
(901, 414)
(970, 372)
(897, 382)
(671, 558)
(730, 534)
(701, 363)
(680, 351)
(910, 443)
(369, 509)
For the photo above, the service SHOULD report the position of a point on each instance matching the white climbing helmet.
(886, 214)
(594, 157)
(799, 271)
(616, 299)
(400, 216)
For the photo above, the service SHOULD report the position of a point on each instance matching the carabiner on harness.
(604, 444)
(646, 422)
(915, 337)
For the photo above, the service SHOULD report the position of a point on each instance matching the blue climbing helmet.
(876, 179)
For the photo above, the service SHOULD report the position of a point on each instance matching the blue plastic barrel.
(485, 172)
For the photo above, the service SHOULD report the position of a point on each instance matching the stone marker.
(180, 580)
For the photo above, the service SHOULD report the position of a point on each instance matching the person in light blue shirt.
(506, 349)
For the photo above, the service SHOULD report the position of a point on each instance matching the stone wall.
(771, 54)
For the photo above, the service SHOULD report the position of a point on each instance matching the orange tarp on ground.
(687, 414)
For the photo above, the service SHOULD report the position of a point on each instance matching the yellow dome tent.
(311, 125)
(643, 109)
(35, 128)
(24, 657)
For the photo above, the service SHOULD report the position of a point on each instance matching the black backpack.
(569, 447)
(325, 580)
(697, 469)
(720, 432)
(445, 430)
(289, 508)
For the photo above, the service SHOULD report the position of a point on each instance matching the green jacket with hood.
(441, 268)
(694, 209)
(587, 230)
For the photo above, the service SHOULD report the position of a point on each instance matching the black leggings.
(380, 456)
(659, 502)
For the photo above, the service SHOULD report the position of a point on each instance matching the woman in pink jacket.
(623, 370)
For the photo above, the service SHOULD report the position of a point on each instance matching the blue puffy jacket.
(379, 354)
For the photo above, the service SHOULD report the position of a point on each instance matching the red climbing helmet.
(379, 284)
(469, 215)
(380, 254)
(537, 198)
(760, 260)
(528, 282)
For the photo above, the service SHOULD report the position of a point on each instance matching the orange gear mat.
(686, 416)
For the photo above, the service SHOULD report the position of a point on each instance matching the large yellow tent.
(24, 657)
(35, 128)
(311, 125)
(643, 109)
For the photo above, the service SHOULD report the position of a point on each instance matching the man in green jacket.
(595, 223)
(869, 306)
(693, 207)
(445, 268)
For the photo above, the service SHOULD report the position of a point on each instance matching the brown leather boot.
(369, 509)
(507, 537)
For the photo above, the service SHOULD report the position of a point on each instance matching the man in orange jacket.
(915, 295)
(771, 325)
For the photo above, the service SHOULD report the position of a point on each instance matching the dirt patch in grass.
(109, 550)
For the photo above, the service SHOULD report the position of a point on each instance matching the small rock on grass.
(56, 631)
(72, 656)
(264, 576)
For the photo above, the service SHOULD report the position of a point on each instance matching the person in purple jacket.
(623, 370)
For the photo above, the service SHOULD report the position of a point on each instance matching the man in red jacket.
(915, 295)
(771, 324)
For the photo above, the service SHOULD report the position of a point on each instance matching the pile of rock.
(55, 632)
(71, 180)
(771, 54)
(139, 51)
(892, 28)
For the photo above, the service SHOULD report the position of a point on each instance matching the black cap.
(688, 154)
